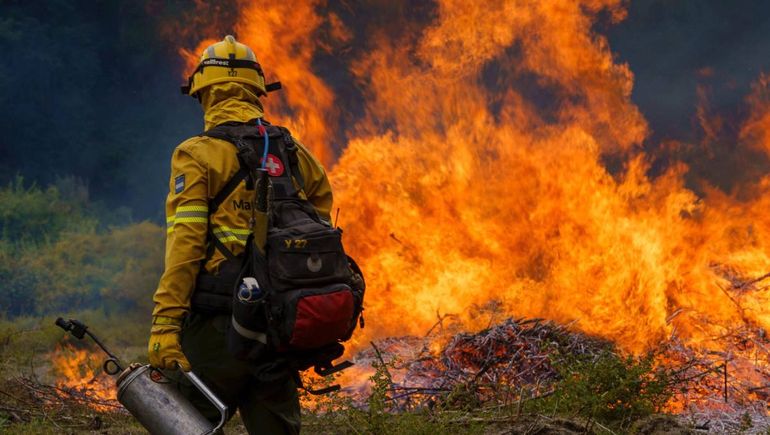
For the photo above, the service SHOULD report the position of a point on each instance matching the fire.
(476, 172)
(78, 370)
(462, 205)
(281, 35)
(192, 57)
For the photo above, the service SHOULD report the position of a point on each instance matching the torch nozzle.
(80, 330)
(73, 327)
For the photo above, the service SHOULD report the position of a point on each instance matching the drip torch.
(150, 396)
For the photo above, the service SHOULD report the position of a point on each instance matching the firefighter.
(228, 84)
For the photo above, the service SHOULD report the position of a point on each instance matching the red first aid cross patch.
(274, 166)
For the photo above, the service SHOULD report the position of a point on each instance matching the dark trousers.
(264, 393)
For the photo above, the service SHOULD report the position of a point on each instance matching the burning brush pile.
(503, 359)
(82, 396)
(533, 367)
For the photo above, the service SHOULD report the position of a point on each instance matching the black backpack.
(300, 296)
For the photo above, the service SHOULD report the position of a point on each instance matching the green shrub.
(32, 215)
(607, 388)
(340, 415)
(117, 270)
(57, 253)
(17, 283)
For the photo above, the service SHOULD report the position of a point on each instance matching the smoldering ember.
(541, 251)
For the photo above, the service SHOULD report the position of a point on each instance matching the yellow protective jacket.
(200, 167)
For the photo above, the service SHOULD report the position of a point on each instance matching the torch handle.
(204, 389)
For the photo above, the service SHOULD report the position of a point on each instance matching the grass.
(602, 393)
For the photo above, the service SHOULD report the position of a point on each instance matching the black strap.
(291, 150)
(318, 392)
(323, 370)
(221, 246)
(221, 196)
(228, 188)
(328, 369)
(228, 63)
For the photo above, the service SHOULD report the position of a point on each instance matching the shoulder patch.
(179, 184)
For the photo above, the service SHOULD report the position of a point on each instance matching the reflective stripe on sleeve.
(227, 234)
(188, 214)
(198, 208)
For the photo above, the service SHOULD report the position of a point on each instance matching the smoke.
(695, 63)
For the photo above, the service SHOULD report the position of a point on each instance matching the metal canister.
(150, 397)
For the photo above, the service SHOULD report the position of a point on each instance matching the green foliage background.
(59, 252)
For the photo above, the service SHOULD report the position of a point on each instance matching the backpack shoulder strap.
(235, 133)
(291, 151)
(221, 132)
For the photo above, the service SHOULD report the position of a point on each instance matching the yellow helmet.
(228, 61)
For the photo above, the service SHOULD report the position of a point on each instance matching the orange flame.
(476, 174)
(462, 205)
(77, 370)
(192, 57)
